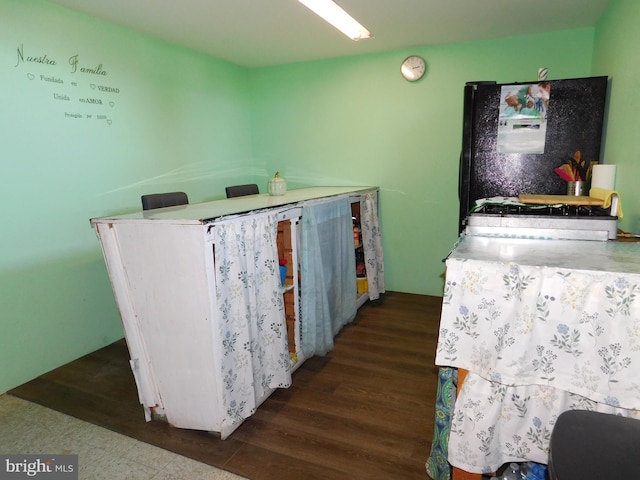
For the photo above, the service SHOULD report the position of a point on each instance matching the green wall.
(616, 55)
(355, 121)
(180, 120)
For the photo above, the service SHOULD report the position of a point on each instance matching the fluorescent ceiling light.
(337, 17)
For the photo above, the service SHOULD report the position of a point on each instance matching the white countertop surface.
(542, 326)
(609, 256)
(198, 213)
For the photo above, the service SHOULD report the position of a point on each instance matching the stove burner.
(558, 221)
(546, 210)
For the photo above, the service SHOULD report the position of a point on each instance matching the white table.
(542, 327)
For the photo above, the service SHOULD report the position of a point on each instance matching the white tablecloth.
(542, 326)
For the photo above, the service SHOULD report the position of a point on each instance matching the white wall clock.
(413, 68)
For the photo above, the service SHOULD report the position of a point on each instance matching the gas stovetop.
(559, 210)
(560, 222)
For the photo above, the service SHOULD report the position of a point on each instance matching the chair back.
(160, 200)
(242, 190)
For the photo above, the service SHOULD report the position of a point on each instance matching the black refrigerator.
(515, 135)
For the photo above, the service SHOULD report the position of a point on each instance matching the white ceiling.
(257, 33)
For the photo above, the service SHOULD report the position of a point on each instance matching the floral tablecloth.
(542, 327)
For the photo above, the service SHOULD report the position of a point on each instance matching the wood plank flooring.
(364, 411)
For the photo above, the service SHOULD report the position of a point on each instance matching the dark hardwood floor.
(364, 411)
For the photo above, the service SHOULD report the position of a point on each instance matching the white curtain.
(372, 242)
(328, 273)
(252, 338)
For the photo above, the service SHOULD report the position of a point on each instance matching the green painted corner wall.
(168, 119)
(352, 121)
(617, 55)
(184, 121)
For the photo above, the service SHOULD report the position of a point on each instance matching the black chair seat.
(589, 445)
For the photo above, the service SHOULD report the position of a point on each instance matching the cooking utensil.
(562, 173)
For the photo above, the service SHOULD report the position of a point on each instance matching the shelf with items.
(361, 270)
(288, 257)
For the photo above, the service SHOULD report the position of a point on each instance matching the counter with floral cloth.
(542, 326)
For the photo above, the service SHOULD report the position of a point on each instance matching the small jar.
(277, 185)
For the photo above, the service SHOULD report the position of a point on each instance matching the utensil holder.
(577, 188)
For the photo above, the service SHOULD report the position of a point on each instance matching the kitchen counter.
(541, 326)
(211, 327)
(610, 256)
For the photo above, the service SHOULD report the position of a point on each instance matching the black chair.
(587, 445)
(242, 190)
(160, 200)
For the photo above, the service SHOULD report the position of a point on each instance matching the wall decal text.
(87, 100)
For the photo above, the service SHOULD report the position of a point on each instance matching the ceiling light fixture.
(337, 17)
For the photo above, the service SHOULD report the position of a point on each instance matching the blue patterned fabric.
(437, 465)
(250, 348)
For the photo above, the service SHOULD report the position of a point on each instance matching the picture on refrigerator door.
(522, 125)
